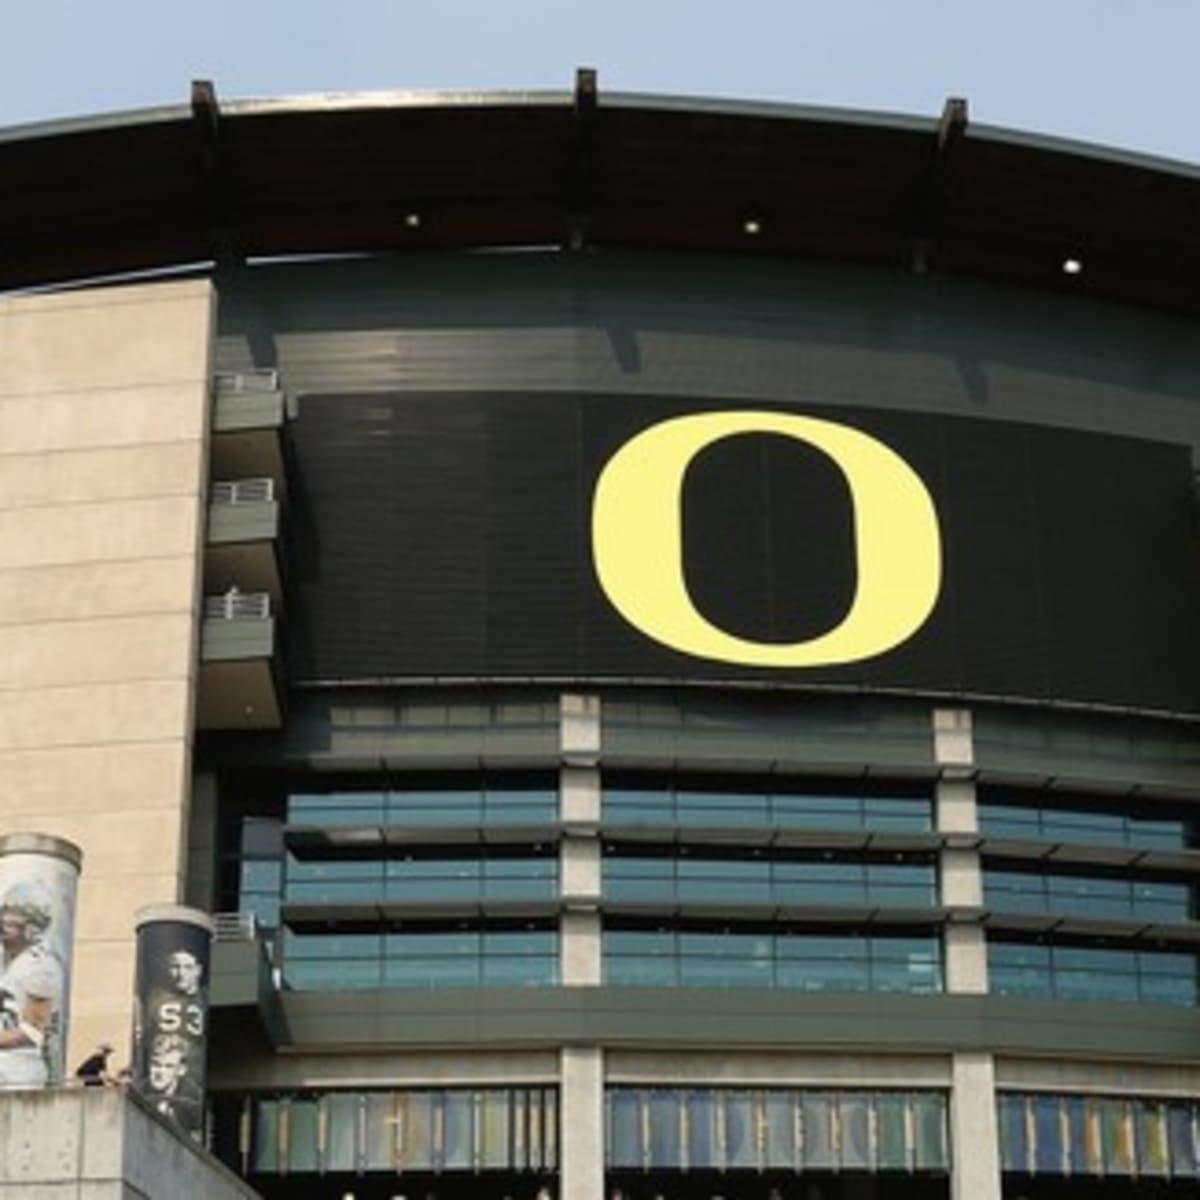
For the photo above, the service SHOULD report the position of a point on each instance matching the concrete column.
(974, 1138)
(581, 1116)
(579, 851)
(579, 791)
(579, 925)
(961, 874)
(579, 729)
(580, 958)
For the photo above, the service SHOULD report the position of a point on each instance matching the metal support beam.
(581, 183)
(215, 184)
(931, 194)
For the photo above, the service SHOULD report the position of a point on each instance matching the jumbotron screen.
(601, 537)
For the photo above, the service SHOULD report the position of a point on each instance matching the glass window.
(1106, 973)
(1093, 895)
(442, 958)
(754, 878)
(854, 1127)
(624, 1129)
(781, 1131)
(265, 1155)
(741, 1127)
(892, 1141)
(809, 962)
(819, 1153)
(932, 1139)
(302, 1134)
(741, 802)
(336, 809)
(1059, 818)
(341, 1137)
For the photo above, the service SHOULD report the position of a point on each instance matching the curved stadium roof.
(405, 172)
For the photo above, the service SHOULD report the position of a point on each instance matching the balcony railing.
(235, 605)
(242, 491)
(235, 927)
(259, 379)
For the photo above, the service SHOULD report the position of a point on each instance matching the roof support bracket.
(217, 193)
(932, 190)
(581, 185)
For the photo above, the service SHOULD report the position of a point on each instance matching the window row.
(445, 958)
(742, 801)
(470, 801)
(634, 873)
(470, 875)
(1012, 814)
(842, 962)
(494, 1129)
(527, 955)
(1098, 1136)
(1081, 972)
(708, 800)
(775, 1129)
(1089, 895)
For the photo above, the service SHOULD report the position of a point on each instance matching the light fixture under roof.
(412, 220)
(752, 226)
(1072, 266)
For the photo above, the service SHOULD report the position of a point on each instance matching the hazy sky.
(1111, 71)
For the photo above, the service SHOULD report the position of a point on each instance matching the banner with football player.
(170, 1042)
(39, 876)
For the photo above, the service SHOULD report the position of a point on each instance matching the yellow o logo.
(637, 541)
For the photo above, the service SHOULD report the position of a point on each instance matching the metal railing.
(242, 491)
(257, 379)
(235, 926)
(236, 605)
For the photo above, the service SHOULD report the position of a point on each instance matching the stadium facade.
(664, 631)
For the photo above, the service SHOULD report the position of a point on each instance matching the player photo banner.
(171, 1022)
(39, 877)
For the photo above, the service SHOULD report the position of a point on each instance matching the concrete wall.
(102, 1144)
(103, 425)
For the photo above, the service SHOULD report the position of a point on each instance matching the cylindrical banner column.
(170, 1035)
(39, 877)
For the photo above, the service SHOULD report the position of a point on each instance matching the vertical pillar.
(39, 875)
(975, 1148)
(961, 875)
(581, 1112)
(581, 1095)
(170, 1036)
(975, 1156)
(579, 850)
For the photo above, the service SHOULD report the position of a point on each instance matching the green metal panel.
(702, 1018)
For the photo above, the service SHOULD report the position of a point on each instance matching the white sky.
(1109, 71)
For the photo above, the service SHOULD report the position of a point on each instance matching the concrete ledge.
(105, 1143)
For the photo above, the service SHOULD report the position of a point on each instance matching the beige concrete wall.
(103, 426)
(102, 1144)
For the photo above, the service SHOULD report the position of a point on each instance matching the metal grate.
(242, 491)
(236, 605)
(235, 926)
